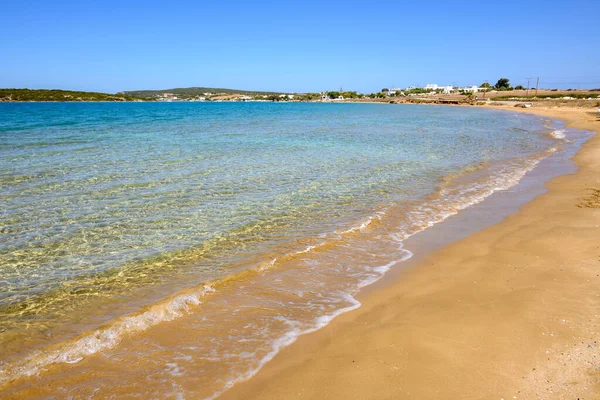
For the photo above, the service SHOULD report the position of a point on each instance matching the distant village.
(429, 93)
(437, 89)
(431, 89)
(500, 93)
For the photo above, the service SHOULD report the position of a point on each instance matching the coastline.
(507, 312)
(76, 380)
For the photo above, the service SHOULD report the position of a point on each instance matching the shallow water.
(222, 230)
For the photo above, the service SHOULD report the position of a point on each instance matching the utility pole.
(536, 85)
(528, 79)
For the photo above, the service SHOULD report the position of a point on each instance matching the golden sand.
(512, 311)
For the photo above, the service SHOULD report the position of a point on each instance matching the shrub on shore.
(59, 95)
(550, 96)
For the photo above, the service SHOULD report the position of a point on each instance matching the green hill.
(59, 95)
(192, 92)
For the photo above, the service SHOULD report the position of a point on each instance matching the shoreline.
(451, 231)
(528, 330)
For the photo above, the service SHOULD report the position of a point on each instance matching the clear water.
(108, 208)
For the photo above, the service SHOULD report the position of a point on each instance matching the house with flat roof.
(471, 89)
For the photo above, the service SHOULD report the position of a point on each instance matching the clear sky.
(311, 45)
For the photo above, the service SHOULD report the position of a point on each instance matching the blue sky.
(297, 46)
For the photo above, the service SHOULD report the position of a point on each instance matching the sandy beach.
(510, 312)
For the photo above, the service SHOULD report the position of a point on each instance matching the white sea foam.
(558, 134)
(292, 335)
(364, 224)
(108, 337)
(381, 270)
(285, 340)
(448, 204)
(265, 266)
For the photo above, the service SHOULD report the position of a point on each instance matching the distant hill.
(193, 91)
(59, 95)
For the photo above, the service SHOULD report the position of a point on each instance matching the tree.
(502, 84)
(333, 95)
(308, 96)
(519, 87)
(385, 90)
(416, 91)
(485, 85)
(350, 95)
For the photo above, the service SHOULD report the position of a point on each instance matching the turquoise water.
(106, 204)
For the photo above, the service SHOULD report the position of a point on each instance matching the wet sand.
(511, 311)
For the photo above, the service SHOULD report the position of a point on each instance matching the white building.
(435, 87)
(472, 89)
(167, 97)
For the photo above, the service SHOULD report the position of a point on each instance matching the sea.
(169, 250)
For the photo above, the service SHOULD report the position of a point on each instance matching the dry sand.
(512, 311)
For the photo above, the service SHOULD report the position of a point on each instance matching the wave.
(558, 134)
(398, 222)
(287, 339)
